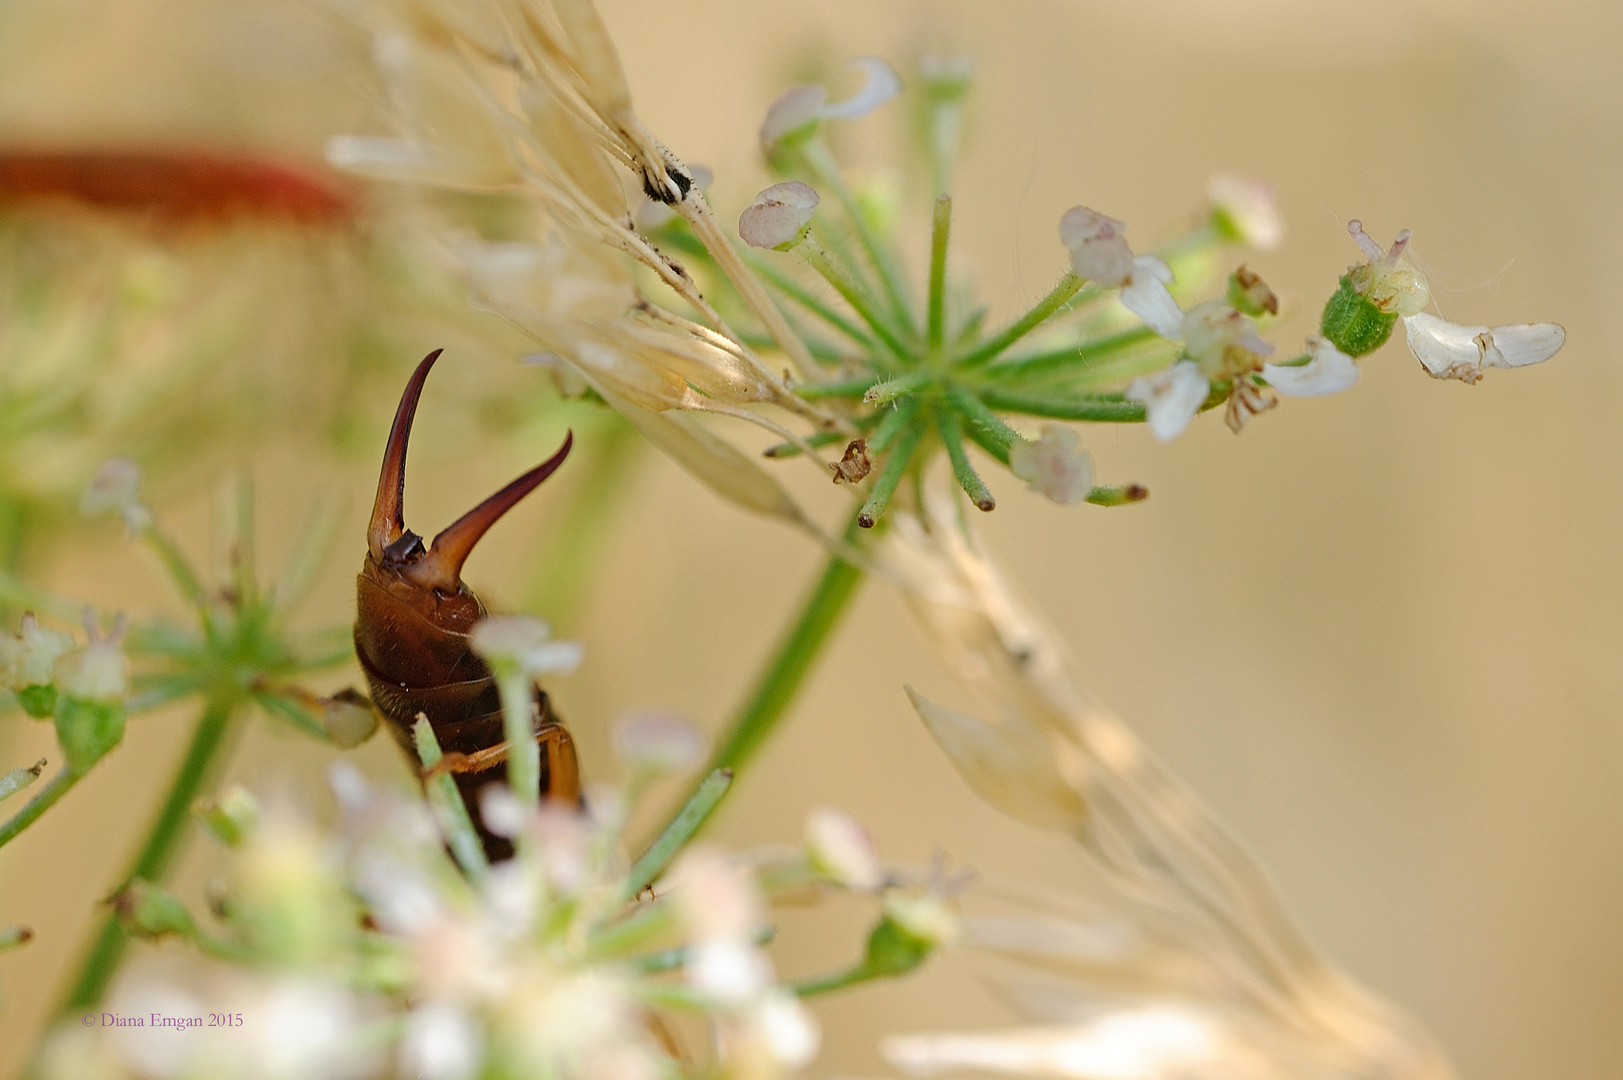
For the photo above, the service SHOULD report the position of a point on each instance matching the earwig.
(413, 616)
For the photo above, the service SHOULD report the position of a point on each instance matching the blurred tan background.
(1379, 633)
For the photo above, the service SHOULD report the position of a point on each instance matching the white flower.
(1220, 344)
(779, 216)
(1247, 209)
(658, 742)
(842, 849)
(1054, 465)
(730, 971)
(305, 1029)
(1145, 294)
(27, 657)
(116, 487)
(716, 896)
(1098, 246)
(1171, 398)
(798, 110)
(1330, 371)
(1099, 253)
(441, 1043)
(1450, 351)
(786, 1029)
(521, 640)
(99, 671)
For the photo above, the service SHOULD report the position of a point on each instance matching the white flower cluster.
(371, 955)
(1222, 352)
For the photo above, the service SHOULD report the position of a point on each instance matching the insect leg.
(563, 770)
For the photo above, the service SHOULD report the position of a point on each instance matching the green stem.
(820, 438)
(1059, 359)
(828, 176)
(812, 303)
(179, 567)
(890, 474)
(940, 231)
(986, 428)
(846, 388)
(162, 844)
(952, 437)
(580, 534)
(847, 287)
(1060, 295)
(517, 689)
(788, 667)
(41, 802)
(1111, 409)
(895, 420)
(448, 808)
(683, 827)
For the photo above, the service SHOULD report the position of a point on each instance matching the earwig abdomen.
(413, 618)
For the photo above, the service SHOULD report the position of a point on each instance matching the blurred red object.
(177, 185)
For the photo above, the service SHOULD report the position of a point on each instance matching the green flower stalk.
(240, 653)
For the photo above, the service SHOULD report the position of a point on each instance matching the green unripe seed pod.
(1353, 323)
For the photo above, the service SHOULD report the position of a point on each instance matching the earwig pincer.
(413, 616)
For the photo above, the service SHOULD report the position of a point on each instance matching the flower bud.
(794, 117)
(348, 718)
(926, 917)
(1250, 295)
(149, 911)
(26, 658)
(779, 217)
(1245, 212)
(945, 78)
(17, 779)
(232, 816)
(841, 849)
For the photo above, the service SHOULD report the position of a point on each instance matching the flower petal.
(1329, 372)
(1171, 397)
(779, 216)
(1521, 344)
(880, 83)
(1098, 246)
(797, 109)
(1451, 351)
(1055, 465)
(1146, 296)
